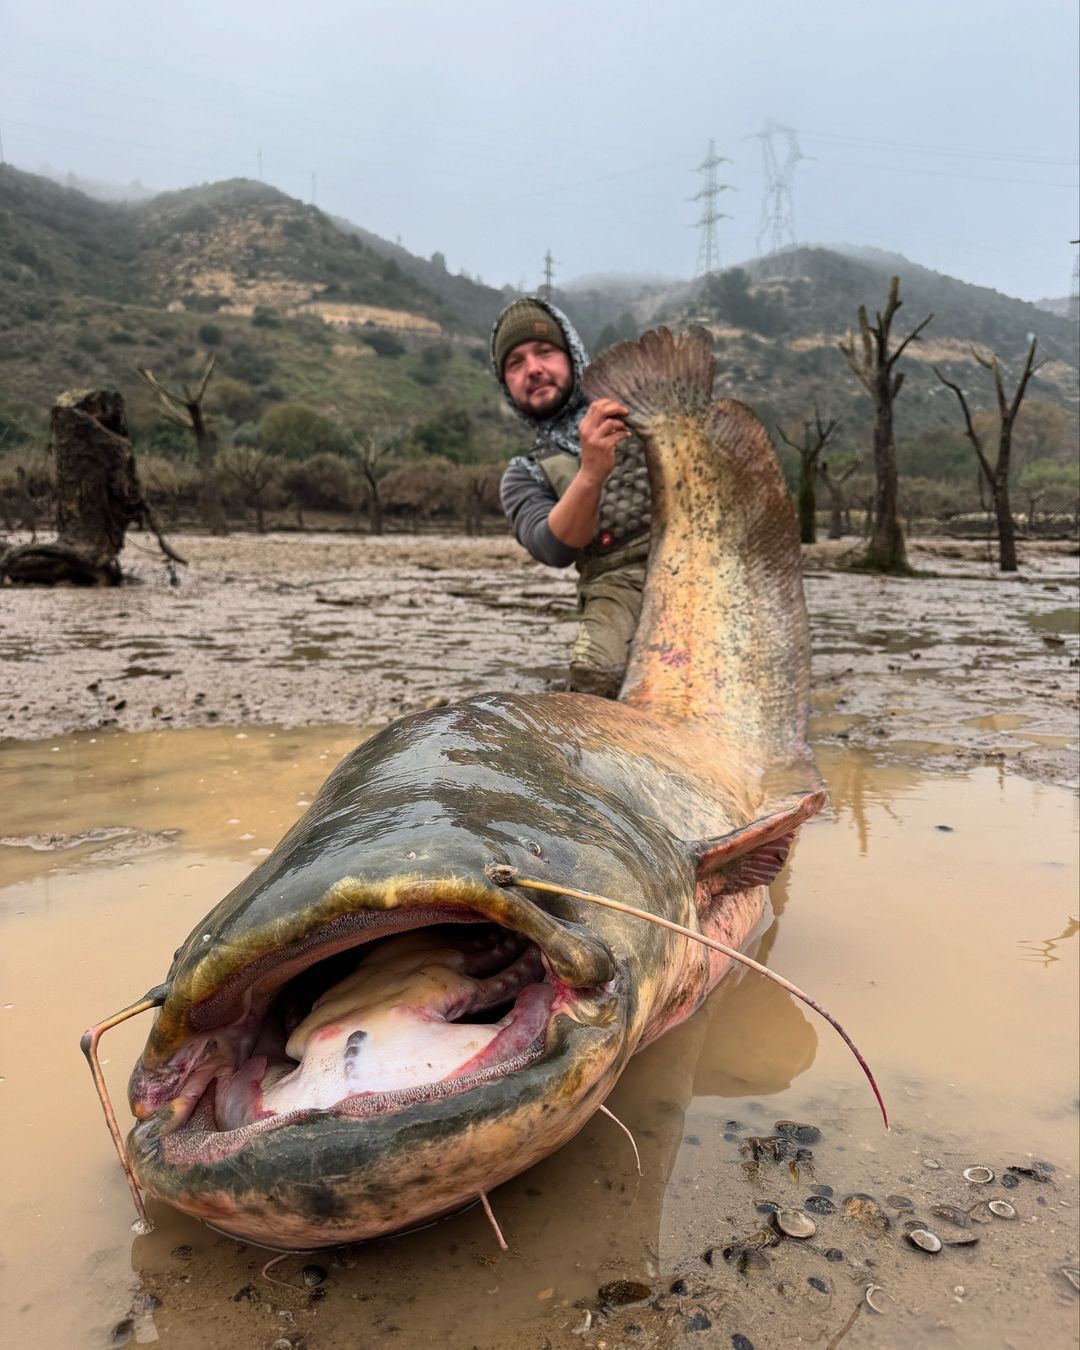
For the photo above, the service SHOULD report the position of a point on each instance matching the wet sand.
(933, 910)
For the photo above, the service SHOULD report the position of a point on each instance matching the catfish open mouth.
(374, 1012)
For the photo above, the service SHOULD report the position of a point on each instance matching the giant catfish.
(387, 1018)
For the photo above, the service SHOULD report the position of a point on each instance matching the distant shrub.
(383, 343)
(247, 363)
(265, 318)
(324, 482)
(120, 337)
(204, 304)
(296, 432)
(296, 229)
(210, 334)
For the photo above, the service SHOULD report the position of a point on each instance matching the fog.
(494, 132)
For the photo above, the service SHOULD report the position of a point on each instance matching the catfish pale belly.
(374, 1029)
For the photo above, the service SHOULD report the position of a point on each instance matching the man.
(573, 498)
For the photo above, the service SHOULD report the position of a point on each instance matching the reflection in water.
(1043, 950)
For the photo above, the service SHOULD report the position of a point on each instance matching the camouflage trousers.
(609, 605)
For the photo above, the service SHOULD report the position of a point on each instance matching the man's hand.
(601, 430)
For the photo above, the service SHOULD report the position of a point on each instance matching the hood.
(560, 431)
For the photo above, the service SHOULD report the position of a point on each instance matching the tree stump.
(98, 496)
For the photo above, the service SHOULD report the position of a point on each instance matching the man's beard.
(548, 408)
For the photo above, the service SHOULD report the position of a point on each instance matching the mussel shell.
(924, 1240)
(1001, 1209)
(951, 1214)
(794, 1223)
(980, 1175)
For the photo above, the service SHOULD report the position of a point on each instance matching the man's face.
(539, 377)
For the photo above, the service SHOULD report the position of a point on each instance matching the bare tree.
(370, 449)
(186, 410)
(815, 436)
(839, 507)
(873, 366)
(476, 490)
(997, 474)
(257, 472)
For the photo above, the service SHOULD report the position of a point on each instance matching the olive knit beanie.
(525, 321)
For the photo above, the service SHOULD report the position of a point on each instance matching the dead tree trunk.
(186, 410)
(839, 509)
(815, 437)
(874, 368)
(997, 474)
(98, 496)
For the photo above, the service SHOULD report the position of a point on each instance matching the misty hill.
(230, 246)
(301, 308)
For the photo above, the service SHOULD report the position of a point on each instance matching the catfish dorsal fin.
(753, 855)
(659, 375)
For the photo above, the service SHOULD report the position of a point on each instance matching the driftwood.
(98, 496)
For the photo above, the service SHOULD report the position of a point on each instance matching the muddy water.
(934, 914)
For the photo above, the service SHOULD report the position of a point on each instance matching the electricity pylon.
(708, 252)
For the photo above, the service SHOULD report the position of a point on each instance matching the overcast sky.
(493, 130)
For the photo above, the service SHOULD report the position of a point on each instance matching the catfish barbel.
(440, 972)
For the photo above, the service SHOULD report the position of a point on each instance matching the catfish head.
(370, 1031)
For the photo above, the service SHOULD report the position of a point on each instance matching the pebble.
(932, 1163)
(184, 1252)
(249, 1294)
(827, 1191)
(1010, 1181)
(312, 1276)
(815, 1283)
(741, 1342)
(819, 1204)
(679, 1287)
(699, 1322)
(833, 1254)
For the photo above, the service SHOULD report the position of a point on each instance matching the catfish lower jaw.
(416, 1018)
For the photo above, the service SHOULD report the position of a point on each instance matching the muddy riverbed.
(160, 740)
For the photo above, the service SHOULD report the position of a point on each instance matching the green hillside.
(303, 310)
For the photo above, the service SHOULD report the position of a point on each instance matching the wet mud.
(307, 629)
(933, 910)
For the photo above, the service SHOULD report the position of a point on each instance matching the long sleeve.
(527, 502)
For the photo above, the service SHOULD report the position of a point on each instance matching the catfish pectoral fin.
(753, 855)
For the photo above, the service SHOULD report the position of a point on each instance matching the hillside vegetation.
(317, 323)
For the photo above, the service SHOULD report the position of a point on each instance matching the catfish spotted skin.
(648, 799)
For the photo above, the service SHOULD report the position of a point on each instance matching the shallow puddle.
(934, 915)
